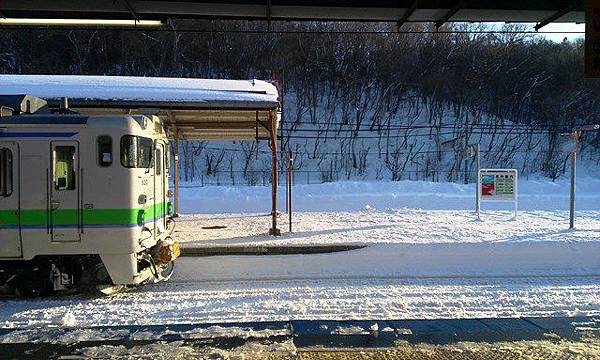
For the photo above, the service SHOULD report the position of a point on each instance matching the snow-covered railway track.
(186, 301)
(537, 279)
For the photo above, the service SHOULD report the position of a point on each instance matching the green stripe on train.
(90, 216)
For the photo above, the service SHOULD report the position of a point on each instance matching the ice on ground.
(349, 330)
(61, 336)
(230, 332)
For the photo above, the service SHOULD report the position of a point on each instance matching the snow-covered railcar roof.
(121, 90)
(201, 109)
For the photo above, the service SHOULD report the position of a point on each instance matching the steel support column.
(176, 168)
(273, 131)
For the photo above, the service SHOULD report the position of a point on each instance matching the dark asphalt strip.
(265, 250)
(305, 334)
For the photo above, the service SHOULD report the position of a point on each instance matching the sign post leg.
(478, 199)
(516, 193)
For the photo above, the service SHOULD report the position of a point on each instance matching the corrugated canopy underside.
(364, 10)
(199, 109)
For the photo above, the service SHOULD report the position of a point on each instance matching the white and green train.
(84, 200)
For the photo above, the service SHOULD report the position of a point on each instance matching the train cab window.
(129, 151)
(105, 151)
(6, 172)
(145, 152)
(136, 151)
(64, 168)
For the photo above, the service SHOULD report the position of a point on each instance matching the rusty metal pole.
(274, 231)
(176, 180)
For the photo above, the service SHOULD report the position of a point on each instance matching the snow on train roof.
(159, 91)
(200, 109)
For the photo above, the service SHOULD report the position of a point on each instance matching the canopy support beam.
(407, 14)
(557, 15)
(449, 14)
(273, 120)
(176, 162)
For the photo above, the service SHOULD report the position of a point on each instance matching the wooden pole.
(273, 119)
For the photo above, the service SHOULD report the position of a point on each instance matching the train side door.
(160, 205)
(10, 226)
(65, 212)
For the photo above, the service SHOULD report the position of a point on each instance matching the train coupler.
(165, 251)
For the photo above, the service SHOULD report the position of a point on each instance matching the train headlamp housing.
(141, 218)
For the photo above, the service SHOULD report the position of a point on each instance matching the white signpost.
(497, 185)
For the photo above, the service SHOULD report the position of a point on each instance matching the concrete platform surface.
(508, 338)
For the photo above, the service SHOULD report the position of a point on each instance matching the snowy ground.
(434, 260)
(534, 195)
(186, 301)
(389, 226)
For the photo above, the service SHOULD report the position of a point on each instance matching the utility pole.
(576, 136)
(469, 151)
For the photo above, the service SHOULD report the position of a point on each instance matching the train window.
(158, 157)
(145, 152)
(64, 168)
(105, 151)
(136, 151)
(129, 151)
(6, 172)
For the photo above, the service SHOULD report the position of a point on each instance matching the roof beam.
(557, 15)
(449, 14)
(407, 14)
(215, 125)
(268, 15)
(131, 11)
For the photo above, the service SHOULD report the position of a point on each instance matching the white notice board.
(497, 185)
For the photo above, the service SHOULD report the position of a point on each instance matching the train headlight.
(141, 218)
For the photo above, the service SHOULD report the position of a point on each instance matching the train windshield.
(136, 151)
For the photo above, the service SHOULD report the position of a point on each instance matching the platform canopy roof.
(363, 10)
(200, 109)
